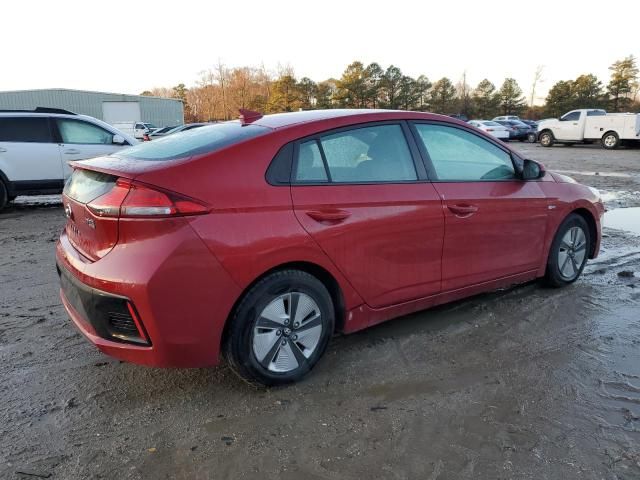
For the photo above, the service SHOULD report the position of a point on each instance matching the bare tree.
(537, 78)
(221, 77)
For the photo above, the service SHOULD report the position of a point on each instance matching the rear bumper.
(180, 298)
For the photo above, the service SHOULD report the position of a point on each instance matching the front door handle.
(72, 151)
(330, 216)
(463, 210)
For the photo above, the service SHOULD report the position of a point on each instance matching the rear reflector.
(131, 199)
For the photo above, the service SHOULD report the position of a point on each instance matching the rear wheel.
(531, 137)
(569, 251)
(4, 195)
(280, 329)
(610, 140)
(546, 139)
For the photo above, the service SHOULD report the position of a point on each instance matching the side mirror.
(532, 170)
(118, 140)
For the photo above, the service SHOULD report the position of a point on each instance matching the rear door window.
(25, 129)
(377, 153)
(310, 165)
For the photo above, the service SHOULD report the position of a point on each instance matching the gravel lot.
(529, 383)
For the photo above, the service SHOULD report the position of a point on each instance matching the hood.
(560, 178)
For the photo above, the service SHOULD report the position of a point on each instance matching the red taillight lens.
(144, 201)
(129, 199)
(108, 205)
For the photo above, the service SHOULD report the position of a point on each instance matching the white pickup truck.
(589, 126)
(135, 129)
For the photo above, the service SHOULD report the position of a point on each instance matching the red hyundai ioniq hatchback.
(261, 238)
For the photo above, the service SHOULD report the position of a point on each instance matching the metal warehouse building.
(110, 107)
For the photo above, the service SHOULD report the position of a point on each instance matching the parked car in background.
(506, 117)
(491, 127)
(135, 129)
(150, 127)
(185, 127)
(261, 238)
(517, 129)
(459, 116)
(36, 146)
(161, 132)
(591, 126)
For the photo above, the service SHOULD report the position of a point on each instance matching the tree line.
(221, 91)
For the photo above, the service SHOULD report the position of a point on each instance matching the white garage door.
(115, 112)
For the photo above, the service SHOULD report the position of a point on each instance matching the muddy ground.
(529, 383)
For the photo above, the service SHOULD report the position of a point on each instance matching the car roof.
(283, 120)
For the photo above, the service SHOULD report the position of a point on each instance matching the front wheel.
(569, 251)
(531, 137)
(610, 140)
(280, 329)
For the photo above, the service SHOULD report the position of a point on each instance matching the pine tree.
(560, 99)
(443, 96)
(486, 100)
(512, 102)
(624, 80)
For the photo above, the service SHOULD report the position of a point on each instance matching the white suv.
(506, 117)
(36, 145)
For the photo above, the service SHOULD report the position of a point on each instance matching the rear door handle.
(333, 216)
(3, 150)
(463, 210)
(72, 151)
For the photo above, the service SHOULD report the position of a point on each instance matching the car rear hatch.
(97, 200)
(91, 233)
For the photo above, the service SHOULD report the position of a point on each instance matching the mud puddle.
(627, 219)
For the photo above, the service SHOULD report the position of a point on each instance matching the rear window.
(25, 129)
(197, 141)
(87, 185)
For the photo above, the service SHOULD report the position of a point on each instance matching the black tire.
(554, 276)
(12, 198)
(4, 195)
(531, 137)
(238, 345)
(546, 139)
(610, 141)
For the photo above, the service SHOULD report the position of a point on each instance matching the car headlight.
(596, 192)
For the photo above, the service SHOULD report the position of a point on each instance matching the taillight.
(134, 200)
(108, 205)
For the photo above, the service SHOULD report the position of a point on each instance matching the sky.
(129, 46)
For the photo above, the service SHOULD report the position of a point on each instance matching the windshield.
(205, 139)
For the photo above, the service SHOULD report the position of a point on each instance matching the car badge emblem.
(90, 222)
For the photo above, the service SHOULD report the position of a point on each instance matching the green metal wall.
(159, 111)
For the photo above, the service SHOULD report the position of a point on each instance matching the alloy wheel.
(287, 332)
(572, 252)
